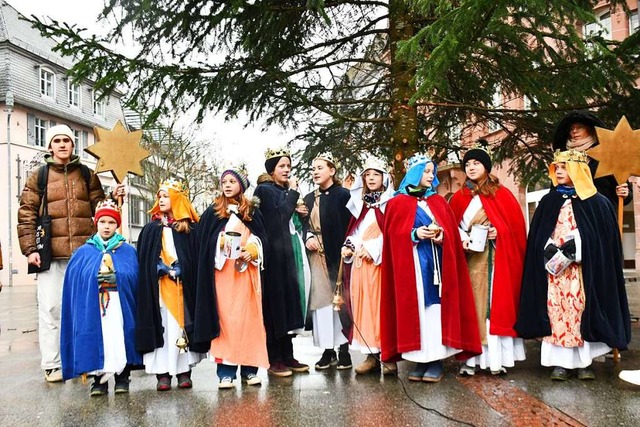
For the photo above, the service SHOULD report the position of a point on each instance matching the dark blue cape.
(81, 346)
(606, 314)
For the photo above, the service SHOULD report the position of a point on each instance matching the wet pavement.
(524, 397)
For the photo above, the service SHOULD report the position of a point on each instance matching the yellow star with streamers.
(618, 152)
(118, 151)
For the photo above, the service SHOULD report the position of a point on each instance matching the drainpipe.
(9, 104)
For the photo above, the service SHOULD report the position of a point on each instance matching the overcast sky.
(228, 135)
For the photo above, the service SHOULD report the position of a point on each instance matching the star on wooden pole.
(118, 151)
(618, 152)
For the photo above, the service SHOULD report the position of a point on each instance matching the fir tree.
(387, 77)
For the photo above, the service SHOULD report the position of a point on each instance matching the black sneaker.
(122, 386)
(98, 389)
(327, 360)
(344, 360)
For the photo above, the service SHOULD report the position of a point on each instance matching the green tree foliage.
(354, 76)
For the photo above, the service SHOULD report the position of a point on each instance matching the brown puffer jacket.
(70, 206)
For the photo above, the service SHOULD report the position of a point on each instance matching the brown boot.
(390, 368)
(370, 364)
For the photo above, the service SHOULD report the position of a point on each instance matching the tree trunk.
(404, 136)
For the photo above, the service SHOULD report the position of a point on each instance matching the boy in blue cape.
(98, 307)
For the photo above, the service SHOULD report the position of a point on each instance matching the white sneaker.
(467, 371)
(226, 382)
(632, 377)
(53, 375)
(252, 379)
(501, 371)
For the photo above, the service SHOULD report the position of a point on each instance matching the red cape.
(399, 316)
(505, 215)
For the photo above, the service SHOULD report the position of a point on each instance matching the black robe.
(606, 314)
(334, 220)
(206, 320)
(149, 330)
(281, 306)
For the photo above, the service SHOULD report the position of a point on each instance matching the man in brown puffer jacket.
(70, 205)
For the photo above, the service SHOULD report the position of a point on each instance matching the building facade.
(35, 94)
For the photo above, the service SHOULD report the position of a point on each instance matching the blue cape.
(81, 346)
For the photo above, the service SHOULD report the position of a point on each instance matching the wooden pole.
(616, 352)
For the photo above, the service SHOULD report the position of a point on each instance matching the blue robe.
(81, 345)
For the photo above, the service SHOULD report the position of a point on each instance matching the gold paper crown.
(107, 204)
(570, 156)
(276, 152)
(326, 156)
(415, 159)
(175, 185)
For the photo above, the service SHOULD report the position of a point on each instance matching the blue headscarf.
(411, 180)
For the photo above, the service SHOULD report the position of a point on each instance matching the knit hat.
(480, 155)
(273, 156)
(107, 208)
(53, 131)
(239, 174)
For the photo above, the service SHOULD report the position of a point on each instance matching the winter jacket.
(70, 206)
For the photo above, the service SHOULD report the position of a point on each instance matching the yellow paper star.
(118, 151)
(618, 152)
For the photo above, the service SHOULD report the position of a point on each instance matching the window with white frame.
(601, 27)
(633, 22)
(136, 213)
(84, 143)
(47, 82)
(73, 94)
(496, 102)
(40, 130)
(77, 142)
(99, 108)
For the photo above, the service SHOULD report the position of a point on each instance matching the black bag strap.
(86, 174)
(43, 177)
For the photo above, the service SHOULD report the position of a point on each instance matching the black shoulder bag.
(43, 225)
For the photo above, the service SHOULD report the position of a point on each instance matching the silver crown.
(415, 159)
(375, 164)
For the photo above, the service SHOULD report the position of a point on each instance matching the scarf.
(581, 144)
(419, 191)
(115, 241)
(565, 190)
(372, 198)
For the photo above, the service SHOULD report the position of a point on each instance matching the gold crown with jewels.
(570, 156)
(276, 152)
(175, 185)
